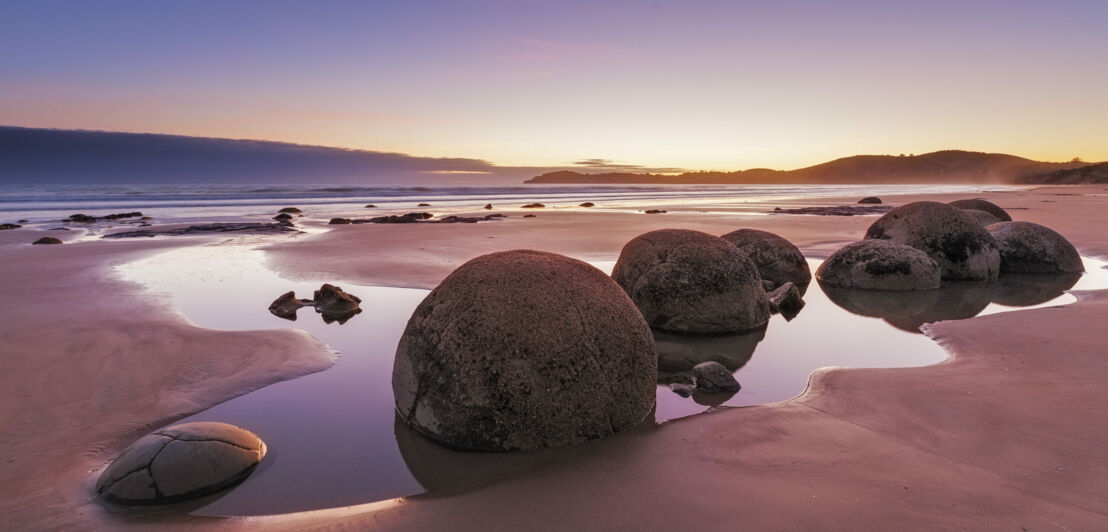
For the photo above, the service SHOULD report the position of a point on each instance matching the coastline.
(837, 453)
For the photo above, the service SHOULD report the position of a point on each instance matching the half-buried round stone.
(181, 462)
(1026, 247)
(880, 265)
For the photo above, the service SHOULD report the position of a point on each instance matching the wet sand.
(1007, 433)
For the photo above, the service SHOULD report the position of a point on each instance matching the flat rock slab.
(181, 462)
(840, 210)
(251, 227)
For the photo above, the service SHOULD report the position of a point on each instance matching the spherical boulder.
(523, 350)
(982, 205)
(983, 218)
(963, 249)
(181, 462)
(1026, 247)
(691, 282)
(777, 259)
(880, 265)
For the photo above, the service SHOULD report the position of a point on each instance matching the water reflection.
(955, 300)
(679, 353)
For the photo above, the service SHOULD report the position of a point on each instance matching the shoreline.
(349, 251)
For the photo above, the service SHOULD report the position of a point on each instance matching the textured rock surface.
(523, 350)
(181, 462)
(983, 205)
(880, 265)
(47, 240)
(712, 377)
(692, 282)
(777, 259)
(962, 248)
(1026, 247)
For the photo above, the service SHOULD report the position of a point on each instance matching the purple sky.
(712, 85)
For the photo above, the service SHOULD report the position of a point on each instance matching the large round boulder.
(777, 259)
(1032, 248)
(691, 282)
(982, 205)
(181, 462)
(523, 350)
(963, 249)
(880, 265)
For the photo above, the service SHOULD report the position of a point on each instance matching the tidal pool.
(333, 438)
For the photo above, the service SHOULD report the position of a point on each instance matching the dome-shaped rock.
(874, 200)
(982, 205)
(181, 462)
(777, 259)
(880, 265)
(1032, 248)
(964, 250)
(46, 240)
(692, 282)
(523, 350)
(983, 218)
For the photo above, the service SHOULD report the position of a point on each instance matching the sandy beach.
(940, 447)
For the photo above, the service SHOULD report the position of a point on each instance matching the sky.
(661, 85)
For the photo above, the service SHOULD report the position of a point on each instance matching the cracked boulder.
(691, 282)
(955, 240)
(181, 462)
(880, 265)
(1026, 247)
(777, 259)
(523, 350)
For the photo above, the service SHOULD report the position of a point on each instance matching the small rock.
(587, 204)
(46, 240)
(330, 299)
(286, 306)
(870, 199)
(533, 206)
(712, 377)
(424, 205)
(488, 206)
(9, 226)
(654, 211)
(81, 218)
(292, 210)
(530, 215)
(21, 221)
(283, 217)
(786, 300)
(684, 390)
(339, 221)
(371, 206)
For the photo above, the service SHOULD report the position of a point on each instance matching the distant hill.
(32, 156)
(1093, 173)
(949, 166)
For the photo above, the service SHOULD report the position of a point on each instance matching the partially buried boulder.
(523, 350)
(291, 210)
(982, 205)
(181, 462)
(335, 304)
(282, 217)
(46, 240)
(870, 200)
(880, 265)
(712, 377)
(777, 259)
(1026, 247)
(962, 248)
(983, 218)
(287, 304)
(691, 282)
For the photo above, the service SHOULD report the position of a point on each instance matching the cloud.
(611, 165)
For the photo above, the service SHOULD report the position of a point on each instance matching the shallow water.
(332, 435)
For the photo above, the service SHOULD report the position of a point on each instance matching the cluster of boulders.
(918, 245)
(331, 302)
